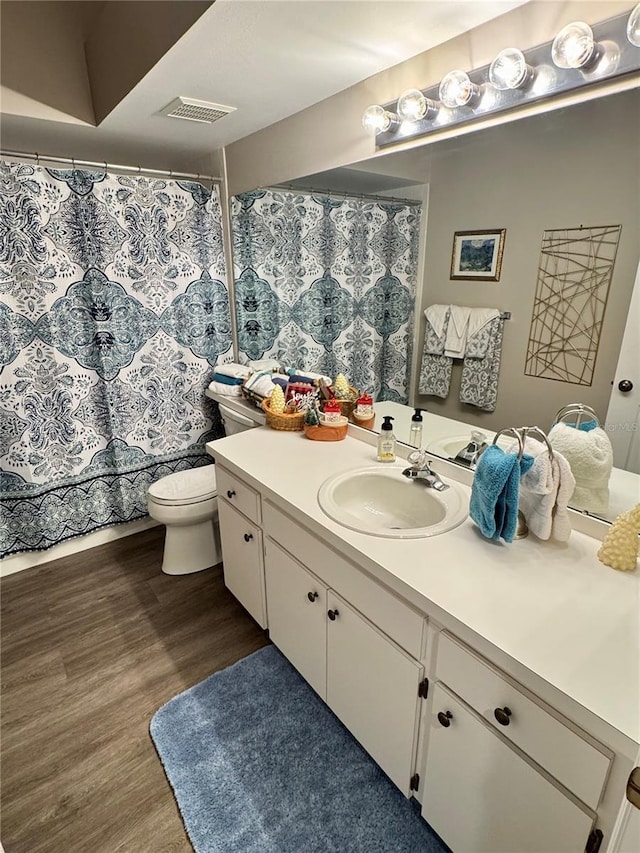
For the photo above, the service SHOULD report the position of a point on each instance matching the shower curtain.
(327, 285)
(114, 307)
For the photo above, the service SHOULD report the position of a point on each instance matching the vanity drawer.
(239, 495)
(406, 626)
(571, 756)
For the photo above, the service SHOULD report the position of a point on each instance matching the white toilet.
(187, 503)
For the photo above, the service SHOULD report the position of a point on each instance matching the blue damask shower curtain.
(327, 285)
(114, 308)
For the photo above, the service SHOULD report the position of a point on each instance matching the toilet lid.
(183, 487)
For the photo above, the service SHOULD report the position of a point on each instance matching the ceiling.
(267, 58)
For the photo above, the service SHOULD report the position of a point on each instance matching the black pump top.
(387, 423)
(417, 416)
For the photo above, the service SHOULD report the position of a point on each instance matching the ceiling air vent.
(193, 110)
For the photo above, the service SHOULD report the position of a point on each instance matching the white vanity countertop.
(554, 609)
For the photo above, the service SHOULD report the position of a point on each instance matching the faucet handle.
(418, 458)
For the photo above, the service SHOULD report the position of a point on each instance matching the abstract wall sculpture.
(574, 274)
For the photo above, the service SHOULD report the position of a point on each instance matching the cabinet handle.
(248, 537)
(312, 596)
(230, 494)
(444, 718)
(503, 715)
(332, 614)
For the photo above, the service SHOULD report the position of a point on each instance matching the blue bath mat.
(259, 764)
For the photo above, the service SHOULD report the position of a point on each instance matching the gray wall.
(575, 167)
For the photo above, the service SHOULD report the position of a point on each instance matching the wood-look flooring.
(92, 645)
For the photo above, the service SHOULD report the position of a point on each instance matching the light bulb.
(413, 106)
(574, 46)
(509, 70)
(633, 27)
(457, 90)
(376, 119)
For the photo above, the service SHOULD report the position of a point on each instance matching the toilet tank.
(235, 422)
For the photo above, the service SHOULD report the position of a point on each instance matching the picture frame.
(477, 255)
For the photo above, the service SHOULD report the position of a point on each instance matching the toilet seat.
(185, 487)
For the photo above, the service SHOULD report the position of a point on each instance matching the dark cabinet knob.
(444, 718)
(332, 614)
(625, 385)
(312, 596)
(230, 493)
(503, 716)
(248, 537)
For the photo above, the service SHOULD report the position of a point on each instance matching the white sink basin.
(381, 502)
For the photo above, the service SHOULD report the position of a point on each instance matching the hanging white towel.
(456, 341)
(544, 492)
(437, 316)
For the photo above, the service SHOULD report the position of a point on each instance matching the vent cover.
(193, 110)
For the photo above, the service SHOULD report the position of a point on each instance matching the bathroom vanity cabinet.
(241, 539)
(499, 759)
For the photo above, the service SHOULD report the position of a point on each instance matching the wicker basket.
(281, 420)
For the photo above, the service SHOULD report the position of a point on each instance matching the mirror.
(568, 169)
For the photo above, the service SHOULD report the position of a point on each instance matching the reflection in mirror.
(575, 170)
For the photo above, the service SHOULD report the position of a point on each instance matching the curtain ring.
(73, 163)
(37, 159)
(139, 170)
(105, 166)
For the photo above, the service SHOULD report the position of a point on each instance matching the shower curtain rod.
(343, 194)
(108, 167)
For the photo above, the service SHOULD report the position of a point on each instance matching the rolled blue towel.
(226, 380)
(494, 493)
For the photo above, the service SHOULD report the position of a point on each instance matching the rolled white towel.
(226, 390)
(590, 456)
(234, 370)
(264, 364)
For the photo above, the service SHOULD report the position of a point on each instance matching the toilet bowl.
(186, 503)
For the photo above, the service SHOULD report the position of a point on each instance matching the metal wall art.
(574, 274)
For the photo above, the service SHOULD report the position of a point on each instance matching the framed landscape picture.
(478, 254)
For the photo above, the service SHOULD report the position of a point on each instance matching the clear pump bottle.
(415, 433)
(386, 441)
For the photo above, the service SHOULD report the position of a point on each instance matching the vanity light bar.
(579, 56)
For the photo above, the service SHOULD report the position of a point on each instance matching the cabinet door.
(242, 560)
(480, 795)
(372, 686)
(297, 609)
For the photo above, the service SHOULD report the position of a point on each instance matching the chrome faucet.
(421, 470)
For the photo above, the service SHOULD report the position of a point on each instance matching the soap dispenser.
(387, 441)
(415, 433)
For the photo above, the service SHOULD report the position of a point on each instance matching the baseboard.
(30, 559)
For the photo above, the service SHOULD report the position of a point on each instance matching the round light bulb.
(457, 90)
(509, 70)
(633, 27)
(574, 46)
(376, 119)
(412, 105)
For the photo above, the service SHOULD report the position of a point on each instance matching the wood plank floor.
(92, 645)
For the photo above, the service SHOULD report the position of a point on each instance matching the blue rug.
(259, 764)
